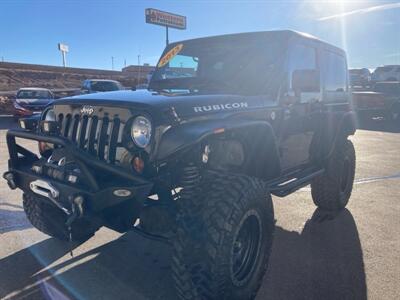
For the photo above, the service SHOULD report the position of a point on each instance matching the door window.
(335, 76)
(303, 72)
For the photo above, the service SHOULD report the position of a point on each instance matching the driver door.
(299, 106)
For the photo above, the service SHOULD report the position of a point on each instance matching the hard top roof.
(282, 34)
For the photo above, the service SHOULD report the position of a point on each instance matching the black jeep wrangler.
(194, 159)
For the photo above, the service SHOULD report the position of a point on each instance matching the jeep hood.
(154, 102)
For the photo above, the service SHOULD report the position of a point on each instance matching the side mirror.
(84, 91)
(305, 81)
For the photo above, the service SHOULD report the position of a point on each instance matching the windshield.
(104, 86)
(34, 94)
(237, 67)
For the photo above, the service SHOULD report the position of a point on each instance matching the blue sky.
(97, 30)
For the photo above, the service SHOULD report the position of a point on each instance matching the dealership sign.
(63, 47)
(163, 18)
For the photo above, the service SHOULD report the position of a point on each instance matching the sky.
(95, 31)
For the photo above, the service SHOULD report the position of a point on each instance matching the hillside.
(15, 75)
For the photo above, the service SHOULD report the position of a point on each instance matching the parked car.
(360, 77)
(90, 86)
(383, 101)
(29, 101)
(262, 113)
(386, 73)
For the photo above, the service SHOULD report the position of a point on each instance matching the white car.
(386, 73)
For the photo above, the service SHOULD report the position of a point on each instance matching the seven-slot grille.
(99, 136)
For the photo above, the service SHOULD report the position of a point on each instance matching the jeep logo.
(87, 110)
(215, 107)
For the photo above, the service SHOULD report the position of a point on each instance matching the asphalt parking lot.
(353, 255)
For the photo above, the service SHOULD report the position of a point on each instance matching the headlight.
(18, 106)
(141, 131)
(49, 115)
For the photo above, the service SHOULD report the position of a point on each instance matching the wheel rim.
(246, 248)
(344, 183)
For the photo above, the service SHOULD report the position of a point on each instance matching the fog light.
(22, 124)
(28, 123)
(138, 164)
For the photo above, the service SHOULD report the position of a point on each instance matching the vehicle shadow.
(378, 124)
(323, 262)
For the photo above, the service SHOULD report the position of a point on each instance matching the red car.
(30, 101)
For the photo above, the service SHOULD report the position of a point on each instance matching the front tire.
(332, 190)
(51, 220)
(224, 239)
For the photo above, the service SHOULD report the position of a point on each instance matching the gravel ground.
(354, 255)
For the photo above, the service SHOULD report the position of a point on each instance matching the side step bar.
(287, 185)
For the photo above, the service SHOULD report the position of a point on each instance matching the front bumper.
(21, 111)
(99, 192)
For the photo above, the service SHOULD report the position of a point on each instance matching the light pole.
(112, 63)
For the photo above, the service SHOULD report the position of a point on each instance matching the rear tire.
(51, 220)
(224, 239)
(332, 190)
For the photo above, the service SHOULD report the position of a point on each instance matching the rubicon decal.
(217, 107)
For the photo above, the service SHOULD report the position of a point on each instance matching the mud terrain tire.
(209, 260)
(332, 190)
(51, 220)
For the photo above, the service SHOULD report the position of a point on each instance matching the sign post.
(64, 49)
(163, 18)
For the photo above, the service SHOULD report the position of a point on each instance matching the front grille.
(100, 136)
(34, 107)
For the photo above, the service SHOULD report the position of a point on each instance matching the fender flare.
(183, 137)
(338, 126)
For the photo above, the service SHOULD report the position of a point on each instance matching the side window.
(335, 72)
(303, 71)
(86, 85)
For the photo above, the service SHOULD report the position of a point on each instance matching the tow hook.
(9, 176)
(76, 212)
(76, 209)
